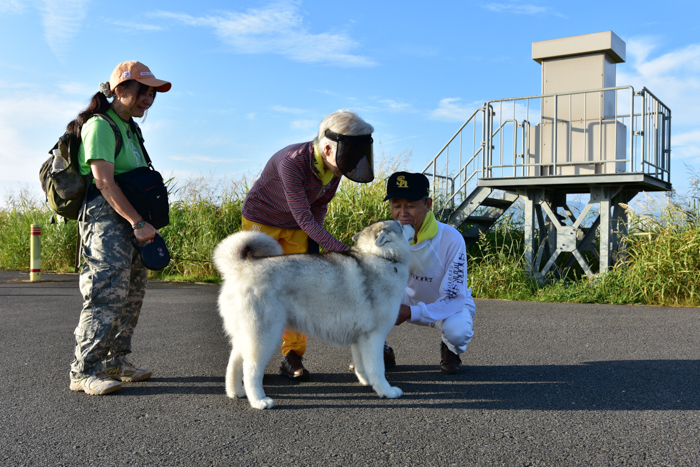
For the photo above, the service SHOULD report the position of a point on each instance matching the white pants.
(456, 330)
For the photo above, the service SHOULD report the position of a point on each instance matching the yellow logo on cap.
(401, 182)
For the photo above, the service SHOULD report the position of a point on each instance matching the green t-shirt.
(99, 143)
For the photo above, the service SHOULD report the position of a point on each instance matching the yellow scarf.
(322, 173)
(428, 230)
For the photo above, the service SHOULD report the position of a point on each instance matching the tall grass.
(202, 214)
(661, 265)
(58, 240)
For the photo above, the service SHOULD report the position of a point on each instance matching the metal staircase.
(481, 209)
(583, 135)
(459, 200)
(512, 149)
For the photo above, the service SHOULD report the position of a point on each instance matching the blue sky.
(250, 77)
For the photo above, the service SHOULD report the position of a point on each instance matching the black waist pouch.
(145, 190)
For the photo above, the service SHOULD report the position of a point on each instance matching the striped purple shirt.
(289, 195)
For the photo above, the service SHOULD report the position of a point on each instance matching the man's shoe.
(450, 363)
(129, 373)
(292, 366)
(389, 358)
(96, 385)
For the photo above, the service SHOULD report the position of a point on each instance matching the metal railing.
(655, 136)
(594, 132)
(455, 170)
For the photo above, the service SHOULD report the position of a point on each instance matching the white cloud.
(288, 110)
(638, 49)
(208, 159)
(12, 6)
(141, 27)
(75, 88)
(61, 20)
(685, 61)
(684, 139)
(276, 29)
(518, 110)
(452, 110)
(672, 77)
(520, 9)
(397, 106)
(5, 85)
(686, 145)
(303, 124)
(42, 116)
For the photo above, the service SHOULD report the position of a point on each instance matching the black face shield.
(354, 156)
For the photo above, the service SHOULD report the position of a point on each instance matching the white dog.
(349, 298)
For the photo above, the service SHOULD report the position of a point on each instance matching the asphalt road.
(544, 384)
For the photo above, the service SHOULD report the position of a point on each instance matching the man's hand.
(404, 314)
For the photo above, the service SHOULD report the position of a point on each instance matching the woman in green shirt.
(112, 278)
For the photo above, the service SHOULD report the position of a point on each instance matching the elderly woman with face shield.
(290, 199)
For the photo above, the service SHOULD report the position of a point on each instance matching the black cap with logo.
(413, 186)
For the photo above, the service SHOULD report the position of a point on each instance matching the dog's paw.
(392, 393)
(265, 403)
(362, 379)
(235, 391)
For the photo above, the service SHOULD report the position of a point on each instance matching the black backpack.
(66, 189)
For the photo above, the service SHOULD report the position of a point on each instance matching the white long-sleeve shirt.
(437, 284)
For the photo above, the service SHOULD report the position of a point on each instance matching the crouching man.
(437, 293)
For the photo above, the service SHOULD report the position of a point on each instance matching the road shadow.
(608, 385)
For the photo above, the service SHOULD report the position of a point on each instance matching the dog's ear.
(355, 237)
(383, 237)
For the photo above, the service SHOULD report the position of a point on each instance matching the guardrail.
(593, 132)
(456, 168)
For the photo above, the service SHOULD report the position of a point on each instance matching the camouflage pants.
(113, 283)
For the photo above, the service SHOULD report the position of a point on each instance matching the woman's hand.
(145, 233)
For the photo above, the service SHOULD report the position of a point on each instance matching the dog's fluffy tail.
(243, 246)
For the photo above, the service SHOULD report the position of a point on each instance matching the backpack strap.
(117, 134)
(117, 149)
(139, 136)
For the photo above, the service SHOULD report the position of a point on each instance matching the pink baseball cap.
(139, 72)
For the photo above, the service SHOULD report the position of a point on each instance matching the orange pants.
(292, 241)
